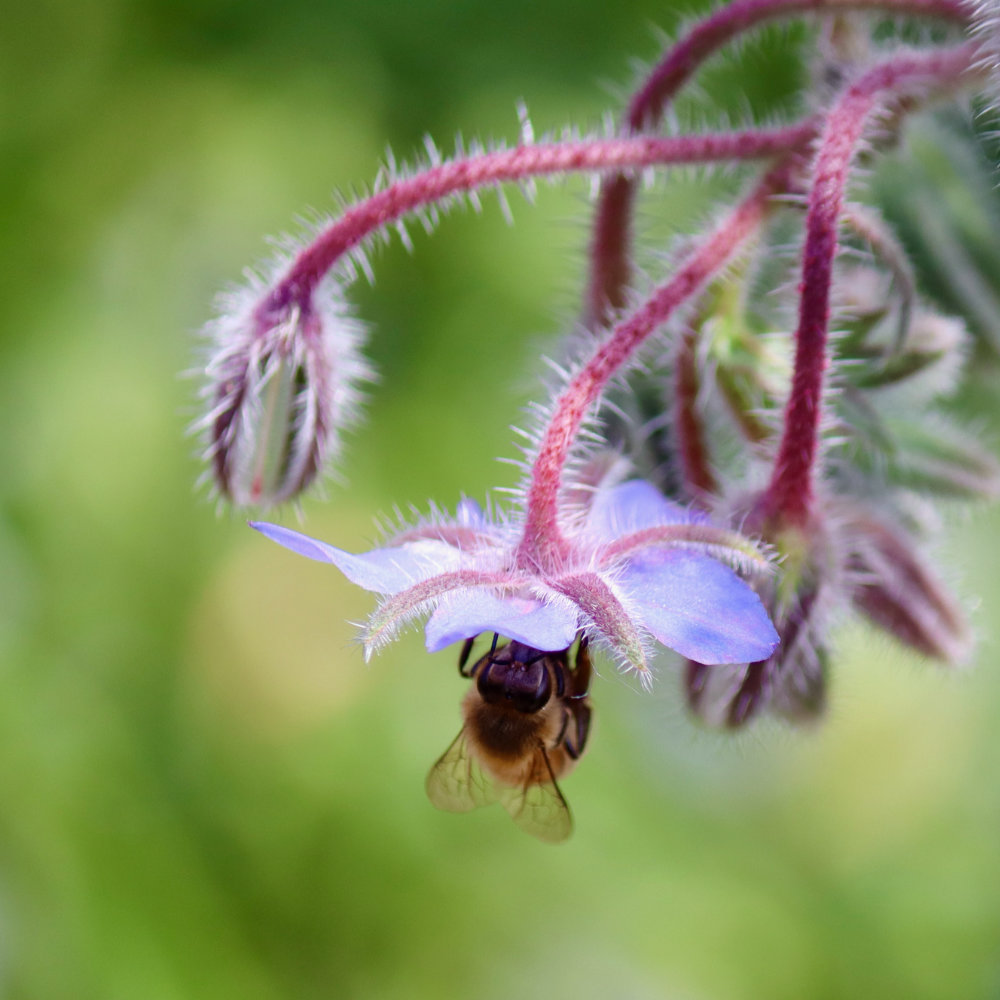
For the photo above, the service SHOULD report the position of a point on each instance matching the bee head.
(517, 676)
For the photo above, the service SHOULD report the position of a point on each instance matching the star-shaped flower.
(638, 567)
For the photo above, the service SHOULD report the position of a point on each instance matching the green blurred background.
(204, 792)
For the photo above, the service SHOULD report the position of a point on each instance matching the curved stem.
(470, 173)
(789, 496)
(542, 543)
(609, 257)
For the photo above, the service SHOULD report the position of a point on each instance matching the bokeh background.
(204, 791)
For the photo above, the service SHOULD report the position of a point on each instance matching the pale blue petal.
(469, 514)
(699, 607)
(311, 548)
(384, 571)
(463, 614)
(633, 506)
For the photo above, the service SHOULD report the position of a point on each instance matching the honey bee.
(526, 721)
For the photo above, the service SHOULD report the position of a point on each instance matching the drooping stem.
(611, 240)
(542, 543)
(678, 65)
(470, 173)
(789, 496)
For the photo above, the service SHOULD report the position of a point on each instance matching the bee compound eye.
(490, 681)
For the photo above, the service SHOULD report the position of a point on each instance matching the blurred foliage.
(205, 792)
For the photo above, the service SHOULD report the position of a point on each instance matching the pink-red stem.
(523, 162)
(611, 239)
(543, 542)
(790, 492)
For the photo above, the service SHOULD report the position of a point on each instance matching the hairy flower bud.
(929, 360)
(896, 590)
(283, 383)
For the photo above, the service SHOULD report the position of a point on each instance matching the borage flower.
(635, 566)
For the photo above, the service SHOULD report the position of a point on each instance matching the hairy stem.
(789, 495)
(521, 163)
(609, 255)
(542, 542)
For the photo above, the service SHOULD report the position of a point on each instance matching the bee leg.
(580, 682)
(463, 657)
(576, 739)
(560, 675)
(562, 729)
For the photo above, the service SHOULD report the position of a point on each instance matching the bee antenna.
(493, 648)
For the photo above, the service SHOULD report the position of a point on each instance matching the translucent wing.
(456, 783)
(538, 807)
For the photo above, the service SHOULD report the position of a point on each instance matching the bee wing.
(456, 783)
(538, 807)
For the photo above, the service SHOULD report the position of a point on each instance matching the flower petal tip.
(295, 541)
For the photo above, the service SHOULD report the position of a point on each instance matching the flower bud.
(934, 348)
(283, 383)
(896, 590)
(800, 693)
(863, 295)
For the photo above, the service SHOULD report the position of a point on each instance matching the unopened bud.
(899, 592)
(863, 294)
(800, 685)
(934, 347)
(283, 383)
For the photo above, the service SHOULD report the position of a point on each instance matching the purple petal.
(384, 571)
(311, 548)
(699, 607)
(630, 507)
(463, 614)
